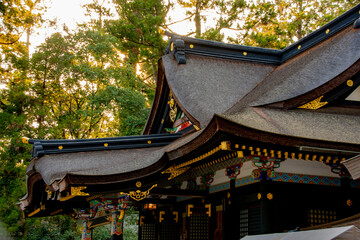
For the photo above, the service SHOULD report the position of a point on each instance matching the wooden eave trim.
(220, 124)
(320, 91)
(28, 199)
(159, 94)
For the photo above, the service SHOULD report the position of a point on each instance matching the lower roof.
(329, 125)
(55, 167)
(121, 168)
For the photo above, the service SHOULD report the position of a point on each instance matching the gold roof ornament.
(174, 171)
(314, 104)
(139, 195)
(75, 192)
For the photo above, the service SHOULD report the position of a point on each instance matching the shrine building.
(240, 141)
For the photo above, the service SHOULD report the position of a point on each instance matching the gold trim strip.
(34, 212)
(67, 197)
(56, 212)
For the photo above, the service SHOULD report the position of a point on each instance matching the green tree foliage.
(17, 18)
(75, 85)
(83, 89)
(138, 31)
(277, 24)
(227, 16)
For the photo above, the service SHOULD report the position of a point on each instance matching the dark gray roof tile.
(205, 85)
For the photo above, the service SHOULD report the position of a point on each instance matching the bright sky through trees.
(67, 12)
(71, 13)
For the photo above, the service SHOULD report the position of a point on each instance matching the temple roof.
(278, 98)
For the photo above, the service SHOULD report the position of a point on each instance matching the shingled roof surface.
(307, 71)
(206, 85)
(323, 125)
(57, 166)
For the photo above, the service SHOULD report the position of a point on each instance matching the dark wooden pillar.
(86, 232)
(265, 208)
(117, 219)
(231, 215)
(347, 199)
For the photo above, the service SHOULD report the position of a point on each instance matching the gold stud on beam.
(225, 145)
(240, 154)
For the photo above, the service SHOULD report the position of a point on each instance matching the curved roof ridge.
(181, 45)
(46, 147)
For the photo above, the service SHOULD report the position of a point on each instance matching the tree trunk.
(197, 19)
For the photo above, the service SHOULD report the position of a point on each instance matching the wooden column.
(346, 205)
(87, 232)
(117, 219)
(265, 207)
(230, 229)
